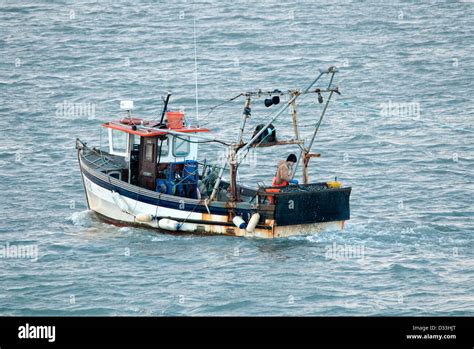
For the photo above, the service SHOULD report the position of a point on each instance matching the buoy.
(168, 224)
(120, 202)
(253, 221)
(239, 222)
(144, 217)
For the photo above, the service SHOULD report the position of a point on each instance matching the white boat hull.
(104, 202)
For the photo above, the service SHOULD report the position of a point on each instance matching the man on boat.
(282, 175)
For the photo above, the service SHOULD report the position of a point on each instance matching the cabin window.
(119, 142)
(148, 151)
(163, 147)
(181, 146)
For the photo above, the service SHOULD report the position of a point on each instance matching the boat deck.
(102, 161)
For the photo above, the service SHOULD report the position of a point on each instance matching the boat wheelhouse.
(153, 175)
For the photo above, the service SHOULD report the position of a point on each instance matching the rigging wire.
(198, 142)
(211, 109)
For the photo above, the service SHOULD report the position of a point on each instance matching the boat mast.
(234, 195)
(245, 115)
(295, 123)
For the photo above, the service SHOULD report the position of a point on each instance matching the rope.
(190, 213)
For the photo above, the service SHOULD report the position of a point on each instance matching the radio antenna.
(196, 74)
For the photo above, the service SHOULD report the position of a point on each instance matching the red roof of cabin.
(147, 132)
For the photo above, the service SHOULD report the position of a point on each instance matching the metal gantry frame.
(239, 147)
(305, 151)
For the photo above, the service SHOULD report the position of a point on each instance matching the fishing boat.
(151, 174)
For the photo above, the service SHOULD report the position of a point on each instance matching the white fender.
(239, 222)
(144, 217)
(191, 227)
(168, 224)
(253, 221)
(120, 202)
